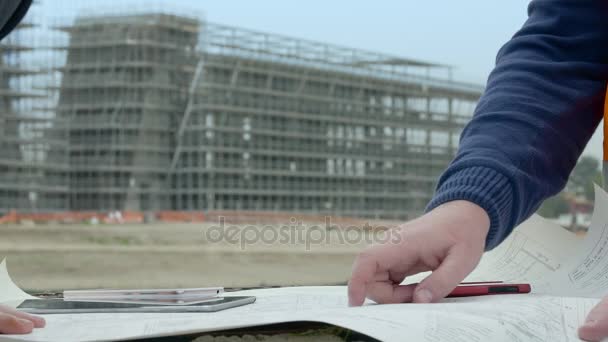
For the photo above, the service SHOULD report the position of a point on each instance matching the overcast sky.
(465, 33)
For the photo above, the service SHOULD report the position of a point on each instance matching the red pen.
(488, 288)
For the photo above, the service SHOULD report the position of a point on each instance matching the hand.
(596, 324)
(449, 241)
(17, 322)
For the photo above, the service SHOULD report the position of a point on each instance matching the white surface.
(10, 294)
(495, 318)
(586, 272)
(536, 250)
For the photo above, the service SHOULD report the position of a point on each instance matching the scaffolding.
(28, 182)
(120, 94)
(282, 124)
(169, 112)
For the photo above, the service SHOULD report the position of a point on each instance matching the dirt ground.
(54, 257)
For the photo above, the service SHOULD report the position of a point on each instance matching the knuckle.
(9, 321)
(366, 255)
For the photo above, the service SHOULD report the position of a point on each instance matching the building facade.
(280, 124)
(123, 87)
(29, 181)
(165, 112)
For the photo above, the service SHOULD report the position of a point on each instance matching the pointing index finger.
(364, 269)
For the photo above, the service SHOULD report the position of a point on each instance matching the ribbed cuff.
(485, 187)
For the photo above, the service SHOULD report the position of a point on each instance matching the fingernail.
(423, 296)
(591, 318)
(39, 322)
(590, 322)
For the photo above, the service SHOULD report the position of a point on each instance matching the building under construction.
(165, 112)
(29, 180)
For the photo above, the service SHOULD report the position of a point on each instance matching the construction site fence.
(222, 216)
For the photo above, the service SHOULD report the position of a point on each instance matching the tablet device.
(185, 294)
(60, 306)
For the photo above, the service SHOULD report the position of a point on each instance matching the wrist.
(465, 217)
(486, 187)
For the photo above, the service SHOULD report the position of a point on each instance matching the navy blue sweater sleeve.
(11, 14)
(542, 103)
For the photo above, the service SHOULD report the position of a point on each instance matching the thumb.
(596, 325)
(452, 270)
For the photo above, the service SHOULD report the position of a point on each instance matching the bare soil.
(54, 257)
